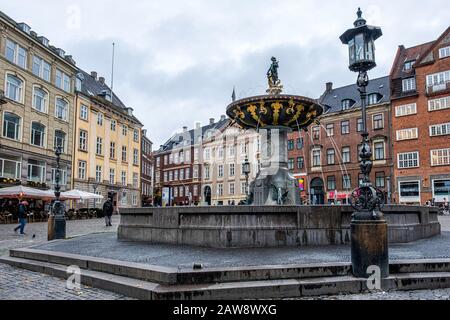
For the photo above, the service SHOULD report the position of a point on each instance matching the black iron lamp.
(246, 171)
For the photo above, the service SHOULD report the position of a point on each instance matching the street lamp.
(369, 244)
(57, 222)
(246, 171)
(95, 186)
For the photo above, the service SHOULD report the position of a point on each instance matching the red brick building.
(326, 157)
(146, 170)
(420, 82)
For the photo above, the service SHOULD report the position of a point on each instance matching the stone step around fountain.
(260, 289)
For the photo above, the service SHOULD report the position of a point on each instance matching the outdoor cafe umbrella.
(19, 192)
(80, 195)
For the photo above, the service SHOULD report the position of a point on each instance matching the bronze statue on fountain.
(274, 116)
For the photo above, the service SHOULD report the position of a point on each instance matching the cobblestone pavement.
(437, 294)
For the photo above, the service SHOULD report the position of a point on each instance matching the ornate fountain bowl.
(295, 112)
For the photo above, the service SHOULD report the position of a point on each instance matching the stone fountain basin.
(267, 226)
(275, 110)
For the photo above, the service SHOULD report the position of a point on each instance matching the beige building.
(38, 84)
(224, 152)
(107, 157)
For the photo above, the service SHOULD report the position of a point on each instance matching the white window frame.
(136, 135)
(45, 99)
(409, 84)
(441, 77)
(65, 115)
(444, 52)
(19, 91)
(18, 129)
(82, 168)
(406, 110)
(439, 198)
(439, 104)
(384, 150)
(84, 112)
(312, 157)
(18, 166)
(123, 178)
(100, 118)
(45, 68)
(408, 199)
(445, 155)
(62, 177)
(112, 176)
(43, 138)
(407, 134)
(62, 80)
(99, 146)
(408, 160)
(17, 48)
(441, 129)
(382, 121)
(42, 169)
(64, 144)
(83, 136)
(113, 125)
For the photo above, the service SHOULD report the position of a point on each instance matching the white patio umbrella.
(79, 195)
(17, 192)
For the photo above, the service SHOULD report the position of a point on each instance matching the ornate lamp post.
(369, 244)
(57, 222)
(246, 171)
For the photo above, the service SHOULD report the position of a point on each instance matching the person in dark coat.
(22, 215)
(108, 211)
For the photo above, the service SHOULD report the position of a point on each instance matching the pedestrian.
(108, 211)
(22, 215)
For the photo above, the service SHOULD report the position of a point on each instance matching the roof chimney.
(328, 86)
(94, 75)
(101, 80)
(211, 121)
(185, 129)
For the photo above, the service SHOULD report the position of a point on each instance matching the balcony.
(438, 88)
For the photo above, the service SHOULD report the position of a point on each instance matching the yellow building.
(107, 144)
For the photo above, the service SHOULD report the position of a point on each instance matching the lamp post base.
(369, 247)
(56, 228)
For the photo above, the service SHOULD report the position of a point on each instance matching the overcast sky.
(177, 61)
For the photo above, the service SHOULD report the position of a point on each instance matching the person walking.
(108, 211)
(22, 215)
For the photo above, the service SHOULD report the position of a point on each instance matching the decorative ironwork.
(367, 198)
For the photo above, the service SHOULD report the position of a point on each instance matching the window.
(331, 183)
(124, 153)
(60, 140)
(40, 99)
(41, 68)
(83, 140)
(409, 191)
(231, 151)
(439, 104)
(347, 104)
(243, 188)
(290, 145)
(10, 169)
(135, 180)
(346, 182)
(16, 54)
(100, 119)
(300, 162)
(181, 174)
(220, 171)
(113, 125)
(438, 79)
(440, 157)
(124, 178)
(440, 129)
(407, 134)
(379, 180)
(195, 172)
(37, 134)
(135, 157)
(98, 174)
(188, 173)
(441, 190)
(124, 200)
(330, 156)
(112, 176)
(231, 189)
(379, 150)
(61, 109)
(136, 135)
(84, 112)
(291, 164)
(330, 130)
(408, 160)
(359, 125)
(231, 170)
(378, 122)
(62, 80)
(112, 150)
(207, 154)
(220, 189)
(316, 132)
(11, 126)
(299, 143)
(409, 84)
(346, 154)
(124, 130)
(82, 170)
(316, 158)
(14, 88)
(444, 52)
(99, 148)
(207, 172)
(345, 127)
(406, 110)
(36, 171)
(134, 200)
(373, 98)
(165, 177)
(408, 65)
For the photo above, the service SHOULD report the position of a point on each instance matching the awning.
(19, 192)
(79, 195)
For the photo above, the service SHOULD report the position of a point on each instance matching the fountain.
(274, 115)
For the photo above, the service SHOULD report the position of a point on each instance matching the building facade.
(38, 83)
(224, 153)
(146, 170)
(420, 81)
(107, 144)
(325, 158)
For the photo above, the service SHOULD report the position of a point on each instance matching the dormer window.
(347, 104)
(408, 65)
(374, 98)
(24, 27)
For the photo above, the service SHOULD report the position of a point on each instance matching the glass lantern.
(246, 167)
